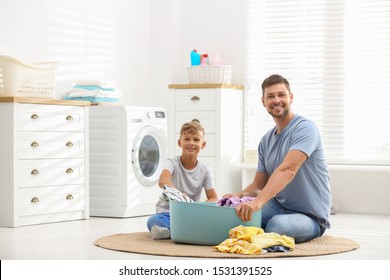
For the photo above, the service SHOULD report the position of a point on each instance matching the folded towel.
(95, 93)
(100, 83)
(93, 87)
(90, 98)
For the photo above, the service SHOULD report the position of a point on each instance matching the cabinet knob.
(69, 170)
(69, 197)
(69, 118)
(34, 144)
(195, 98)
(34, 199)
(34, 172)
(34, 116)
(69, 144)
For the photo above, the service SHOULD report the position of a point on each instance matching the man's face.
(277, 100)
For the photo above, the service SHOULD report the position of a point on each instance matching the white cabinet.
(44, 163)
(220, 110)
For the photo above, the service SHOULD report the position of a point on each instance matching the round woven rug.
(142, 243)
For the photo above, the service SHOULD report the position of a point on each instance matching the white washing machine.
(128, 147)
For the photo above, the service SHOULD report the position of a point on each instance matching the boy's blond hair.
(191, 127)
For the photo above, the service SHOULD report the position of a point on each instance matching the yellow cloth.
(252, 240)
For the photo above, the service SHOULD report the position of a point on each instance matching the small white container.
(27, 80)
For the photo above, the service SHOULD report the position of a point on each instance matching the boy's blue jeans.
(160, 219)
(301, 227)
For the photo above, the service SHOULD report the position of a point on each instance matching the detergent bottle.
(204, 59)
(195, 58)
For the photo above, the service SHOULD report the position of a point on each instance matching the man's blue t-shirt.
(309, 192)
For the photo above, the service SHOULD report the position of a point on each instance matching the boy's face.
(191, 142)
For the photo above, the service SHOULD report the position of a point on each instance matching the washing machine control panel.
(159, 114)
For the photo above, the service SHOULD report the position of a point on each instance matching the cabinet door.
(35, 145)
(44, 200)
(195, 99)
(49, 172)
(33, 117)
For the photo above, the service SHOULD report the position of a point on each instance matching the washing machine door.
(149, 154)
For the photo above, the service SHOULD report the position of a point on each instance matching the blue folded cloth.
(93, 87)
(90, 98)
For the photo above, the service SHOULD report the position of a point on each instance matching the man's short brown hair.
(273, 80)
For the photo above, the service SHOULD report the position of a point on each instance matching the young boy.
(186, 174)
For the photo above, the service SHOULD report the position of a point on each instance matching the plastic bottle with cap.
(205, 59)
(195, 58)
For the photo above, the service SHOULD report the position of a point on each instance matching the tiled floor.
(74, 240)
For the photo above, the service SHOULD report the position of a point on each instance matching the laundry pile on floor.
(94, 91)
(253, 240)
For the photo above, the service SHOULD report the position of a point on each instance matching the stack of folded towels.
(94, 91)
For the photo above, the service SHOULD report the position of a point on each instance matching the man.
(291, 182)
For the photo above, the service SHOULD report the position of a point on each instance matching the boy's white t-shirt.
(191, 182)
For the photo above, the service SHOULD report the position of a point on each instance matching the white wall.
(94, 39)
(143, 45)
(178, 27)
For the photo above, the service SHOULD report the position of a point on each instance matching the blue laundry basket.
(204, 223)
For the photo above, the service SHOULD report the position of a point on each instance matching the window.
(336, 56)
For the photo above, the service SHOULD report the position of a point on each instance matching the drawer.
(199, 100)
(34, 145)
(33, 117)
(206, 118)
(47, 200)
(50, 172)
(209, 150)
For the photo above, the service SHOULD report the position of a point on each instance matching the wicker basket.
(210, 74)
(28, 80)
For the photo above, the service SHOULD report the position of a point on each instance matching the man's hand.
(245, 210)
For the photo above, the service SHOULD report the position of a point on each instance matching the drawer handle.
(69, 197)
(35, 199)
(34, 144)
(69, 144)
(34, 116)
(195, 98)
(69, 170)
(69, 118)
(35, 172)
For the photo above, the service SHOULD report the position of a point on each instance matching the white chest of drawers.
(44, 162)
(219, 109)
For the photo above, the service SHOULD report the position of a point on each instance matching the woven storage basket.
(28, 80)
(210, 74)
